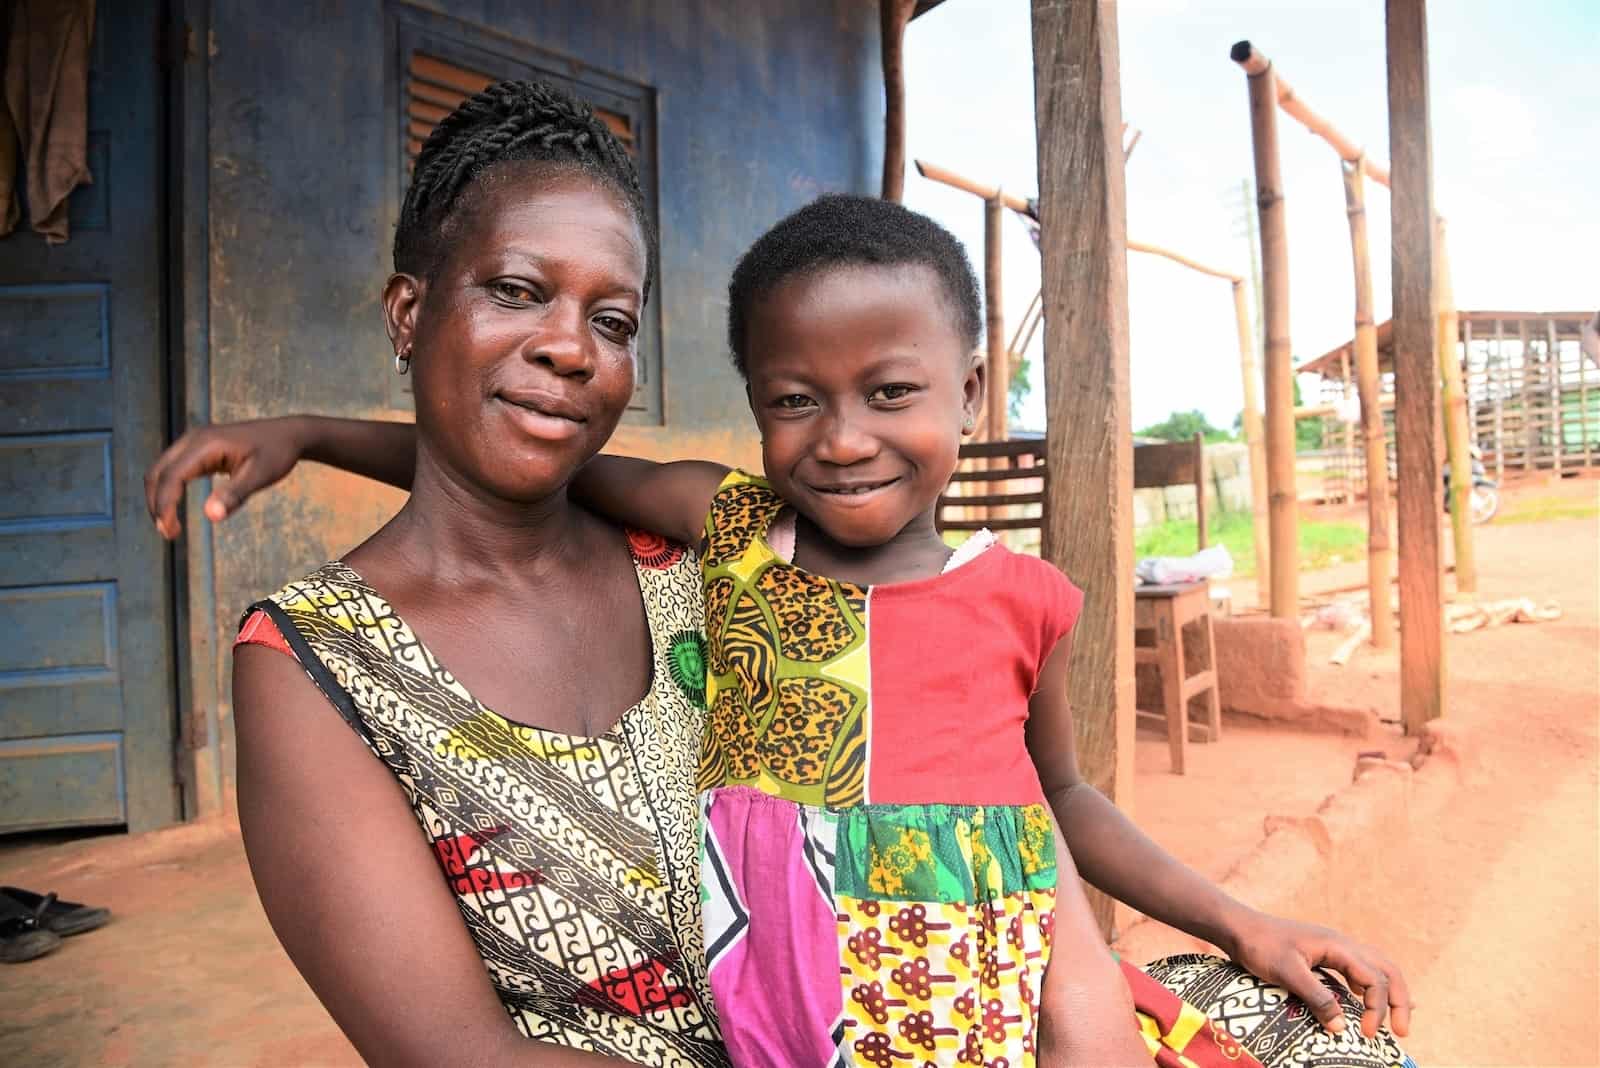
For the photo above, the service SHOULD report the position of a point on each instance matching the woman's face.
(523, 339)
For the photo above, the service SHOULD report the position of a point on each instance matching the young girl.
(879, 868)
(888, 734)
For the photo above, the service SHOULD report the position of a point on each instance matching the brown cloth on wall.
(46, 122)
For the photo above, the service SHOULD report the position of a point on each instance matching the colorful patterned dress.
(878, 865)
(572, 859)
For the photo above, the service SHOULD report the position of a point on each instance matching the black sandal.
(63, 918)
(22, 932)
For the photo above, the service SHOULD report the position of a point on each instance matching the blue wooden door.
(86, 677)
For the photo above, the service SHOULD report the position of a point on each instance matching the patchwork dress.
(878, 863)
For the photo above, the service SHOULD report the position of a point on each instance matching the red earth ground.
(1492, 913)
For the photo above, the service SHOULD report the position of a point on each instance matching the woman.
(563, 830)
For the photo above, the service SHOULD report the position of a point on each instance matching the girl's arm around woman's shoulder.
(670, 499)
(352, 890)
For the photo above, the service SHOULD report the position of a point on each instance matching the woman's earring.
(402, 361)
(967, 426)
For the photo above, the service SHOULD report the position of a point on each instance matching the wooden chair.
(1179, 464)
(1008, 478)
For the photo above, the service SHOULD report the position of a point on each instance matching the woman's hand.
(253, 455)
(1284, 952)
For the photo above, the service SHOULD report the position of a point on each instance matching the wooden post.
(1499, 400)
(1558, 416)
(1089, 429)
(893, 15)
(1369, 389)
(1254, 442)
(1282, 494)
(1202, 484)
(1457, 435)
(1347, 437)
(994, 316)
(1416, 366)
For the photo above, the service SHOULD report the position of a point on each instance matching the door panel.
(87, 718)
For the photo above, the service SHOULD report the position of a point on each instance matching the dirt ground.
(1494, 918)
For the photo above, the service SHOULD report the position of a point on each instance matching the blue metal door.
(87, 715)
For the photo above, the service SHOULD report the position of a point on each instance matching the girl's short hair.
(851, 231)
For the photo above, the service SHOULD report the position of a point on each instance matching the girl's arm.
(393, 964)
(1119, 859)
(670, 499)
(258, 453)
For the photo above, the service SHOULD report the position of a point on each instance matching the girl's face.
(523, 340)
(861, 386)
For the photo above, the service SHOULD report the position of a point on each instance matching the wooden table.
(1164, 611)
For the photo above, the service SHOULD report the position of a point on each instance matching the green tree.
(1183, 426)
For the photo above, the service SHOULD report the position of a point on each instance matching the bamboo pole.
(1083, 259)
(1417, 415)
(1457, 434)
(1279, 371)
(1253, 433)
(995, 321)
(1255, 64)
(1254, 442)
(893, 15)
(1369, 389)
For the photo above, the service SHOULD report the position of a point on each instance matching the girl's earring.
(402, 361)
(967, 425)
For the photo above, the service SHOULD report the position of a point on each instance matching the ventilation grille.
(436, 86)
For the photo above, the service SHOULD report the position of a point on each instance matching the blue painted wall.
(761, 104)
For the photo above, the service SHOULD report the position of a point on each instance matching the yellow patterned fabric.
(787, 686)
(572, 859)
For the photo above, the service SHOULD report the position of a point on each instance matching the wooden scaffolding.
(1533, 397)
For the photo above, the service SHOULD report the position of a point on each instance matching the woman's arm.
(670, 499)
(257, 453)
(1086, 1014)
(352, 891)
(1121, 860)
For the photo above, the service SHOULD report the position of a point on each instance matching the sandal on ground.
(22, 934)
(60, 917)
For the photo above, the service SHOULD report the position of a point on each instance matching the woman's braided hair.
(520, 120)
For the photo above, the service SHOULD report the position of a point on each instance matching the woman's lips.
(542, 414)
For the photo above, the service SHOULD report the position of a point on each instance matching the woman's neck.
(456, 531)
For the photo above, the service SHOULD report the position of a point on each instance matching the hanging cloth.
(47, 112)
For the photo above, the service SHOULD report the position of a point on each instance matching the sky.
(1516, 151)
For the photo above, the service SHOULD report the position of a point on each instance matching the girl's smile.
(861, 385)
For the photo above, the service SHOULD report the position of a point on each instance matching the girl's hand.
(1284, 952)
(253, 455)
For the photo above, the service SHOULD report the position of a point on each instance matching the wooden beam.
(1254, 440)
(1369, 388)
(1417, 421)
(1457, 435)
(1282, 494)
(994, 315)
(893, 15)
(1254, 63)
(1089, 431)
